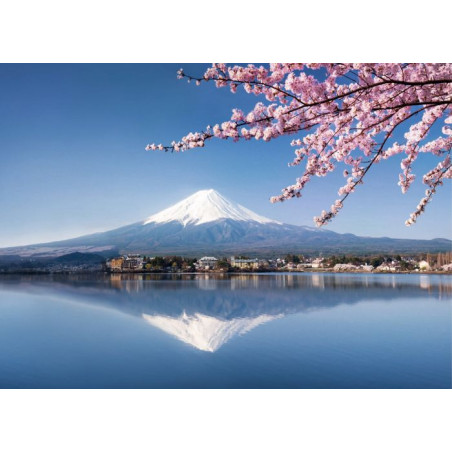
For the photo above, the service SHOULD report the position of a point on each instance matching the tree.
(348, 114)
(223, 264)
(376, 261)
(158, 262)
(404, 265)
(292, 258)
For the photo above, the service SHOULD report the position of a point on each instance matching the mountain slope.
(206, 222)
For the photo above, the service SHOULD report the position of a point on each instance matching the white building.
(317, 263)
(388, 267)
(132, 262)
(207, 262)
(244, 263)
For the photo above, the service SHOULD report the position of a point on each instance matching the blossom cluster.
(345, 114)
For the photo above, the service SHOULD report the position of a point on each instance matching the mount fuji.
(206, 223)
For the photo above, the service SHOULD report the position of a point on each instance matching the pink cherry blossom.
(346, 114)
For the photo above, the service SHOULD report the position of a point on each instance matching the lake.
(308, 330)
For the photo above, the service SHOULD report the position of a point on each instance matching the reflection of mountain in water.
(205, 332)
(206, 311)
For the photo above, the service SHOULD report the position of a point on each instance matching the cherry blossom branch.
(351, 184)
(432, 179)
(343, 112)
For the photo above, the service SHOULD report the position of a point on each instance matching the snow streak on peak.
(205, 332)
(203, 207)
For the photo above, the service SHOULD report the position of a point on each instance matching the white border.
(202, 30)
(226, 420)
(144, 31)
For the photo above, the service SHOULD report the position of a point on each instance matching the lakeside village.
(441, 262)
(77, 262)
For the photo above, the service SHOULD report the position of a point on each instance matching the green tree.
(223, 264)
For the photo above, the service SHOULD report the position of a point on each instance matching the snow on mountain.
(206, 206)
(205, 332)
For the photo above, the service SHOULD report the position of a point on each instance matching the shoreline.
(215, 273)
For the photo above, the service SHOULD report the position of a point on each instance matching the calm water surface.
(242, 331)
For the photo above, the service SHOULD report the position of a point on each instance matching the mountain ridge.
(207, 222)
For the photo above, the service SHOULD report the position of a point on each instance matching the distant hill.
(78, 258)
(67, 261)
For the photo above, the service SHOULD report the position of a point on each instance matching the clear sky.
(72, 158)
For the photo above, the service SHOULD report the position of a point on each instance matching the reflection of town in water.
(206, 311)
(437, 286)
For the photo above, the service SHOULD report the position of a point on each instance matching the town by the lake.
(139, 263)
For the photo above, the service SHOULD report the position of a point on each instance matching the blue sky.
(72, 158)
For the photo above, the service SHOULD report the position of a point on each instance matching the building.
(245, 263)
(388, 267)
(207, 263)
(132, 262)
(115, 264)
(317, 263)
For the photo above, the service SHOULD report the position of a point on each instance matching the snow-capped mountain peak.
(206, 206)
